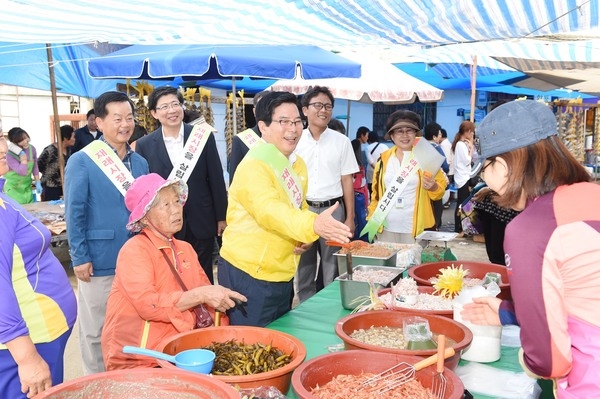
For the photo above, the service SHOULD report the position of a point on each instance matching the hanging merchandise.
(571, 127)
(234, 123)
(206, 106)
(229, 123)
(144, 119)
(189, 99)
(241, 112)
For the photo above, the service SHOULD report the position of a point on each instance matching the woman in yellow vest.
(23, 169)
(410, 212)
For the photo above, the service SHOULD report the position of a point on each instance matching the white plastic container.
(486, 344)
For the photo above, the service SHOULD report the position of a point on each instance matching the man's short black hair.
(267, 104)
(110, 97)
(431, 130)
(162, 91)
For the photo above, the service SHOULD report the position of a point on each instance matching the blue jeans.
(360, 215)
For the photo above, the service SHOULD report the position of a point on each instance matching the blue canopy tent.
(26, 65)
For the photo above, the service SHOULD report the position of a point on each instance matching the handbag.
(203, 317)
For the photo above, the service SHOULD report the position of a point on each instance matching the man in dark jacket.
(238, 148)
(205, 209)
(87, 134)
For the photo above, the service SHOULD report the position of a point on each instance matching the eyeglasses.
(320, 106)
(173, 105)
(289, 123)
(405, 132)
(492, 160)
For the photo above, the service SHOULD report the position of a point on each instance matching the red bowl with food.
(425, 272)
(320, 370)
(142, 383)
(279, 377)
(458, 335)
(449, 313)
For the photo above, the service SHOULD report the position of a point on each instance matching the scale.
(437, 236)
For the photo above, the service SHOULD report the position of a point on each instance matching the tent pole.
(234, 106)
(473, 87)
(61, 159)
(348, 119)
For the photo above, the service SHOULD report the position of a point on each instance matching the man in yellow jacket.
(268, 221)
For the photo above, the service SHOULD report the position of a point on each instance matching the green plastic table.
(313, 323)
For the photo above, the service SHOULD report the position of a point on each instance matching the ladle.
(197, 360)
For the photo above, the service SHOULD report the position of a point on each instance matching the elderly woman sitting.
(147, 302)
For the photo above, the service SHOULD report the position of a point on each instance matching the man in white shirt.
(331, 163)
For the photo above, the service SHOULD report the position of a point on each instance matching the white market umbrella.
(379, 82)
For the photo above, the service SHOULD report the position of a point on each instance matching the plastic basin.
(141, 383)
(422, 290)
(454, 330)
(426, 271)
(322, 369)
(279, 378)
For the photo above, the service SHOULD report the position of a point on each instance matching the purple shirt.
(37, 297)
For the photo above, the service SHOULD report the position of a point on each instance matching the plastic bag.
(497, 383)
(266, 392)
(409, 255)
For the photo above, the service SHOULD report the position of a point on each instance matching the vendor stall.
(313, 323)
(579, 129)
(52, 215)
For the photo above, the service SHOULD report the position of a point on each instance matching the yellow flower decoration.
(450, 281)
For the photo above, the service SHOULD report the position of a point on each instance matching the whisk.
(403, 372)
(438, 386)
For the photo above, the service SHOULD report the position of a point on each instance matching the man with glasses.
(269, 221)
(331, 163)
(204, 211)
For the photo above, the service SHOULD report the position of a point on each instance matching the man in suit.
(87, 134)
(205, 209)
(238, 148)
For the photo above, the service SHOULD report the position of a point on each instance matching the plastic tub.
(351, 290)
(279, 378)
(426, 271)
(322, 369)
(142, 383)
(381, 318)
(422, 290)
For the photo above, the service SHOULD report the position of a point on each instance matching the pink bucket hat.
(141, 195)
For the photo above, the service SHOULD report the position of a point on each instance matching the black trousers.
(438, 209)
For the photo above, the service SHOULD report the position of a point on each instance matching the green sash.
(409, 167)
(285, 174)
